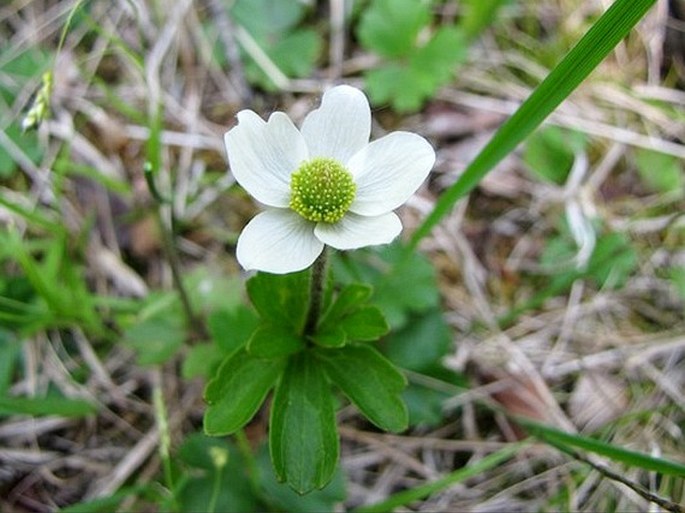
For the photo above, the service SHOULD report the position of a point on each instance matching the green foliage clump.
(25, 67)
(550, 152)
(660, 172)
(414, 66)
(301, 362)
(275, 27)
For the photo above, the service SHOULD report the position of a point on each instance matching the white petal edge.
(388, 171)
(262, 155)
(278, 241)
(341, 126)
(355, 231)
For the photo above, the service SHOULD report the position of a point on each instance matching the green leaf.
(266, 19)
(410, 286)
(611, 264)
(550, 153)
(27, 142)
(371, 382)
(210, 290)
(296, 53)
(436, 61)
(333, 336)
(365, 324)
(349, 298)
(477, 15)
(37, 406)
(425, 405)
(613, 261)
(390, 27)
(237, 391)
(421, 344)
(406, 86)
(303, 439)
(562, 439)
(233, 493)
(202, 360)
(10, 348)
(18, 71)
(56, 278)
(280, 497)
(270, 341)
(227, 488)
(660, 172)
(282, 299)
(395, 84)
(198, 451)
(677, 277)
(231, 329)
(273, 25)
(157, 338)
(602, 37)
(403, 283)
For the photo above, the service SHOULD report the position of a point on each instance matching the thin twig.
(636, 487)
(169, 248)
(169, 245)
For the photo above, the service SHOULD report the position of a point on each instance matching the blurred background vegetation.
(554, 291)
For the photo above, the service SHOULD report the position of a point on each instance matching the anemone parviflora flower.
(323, 184)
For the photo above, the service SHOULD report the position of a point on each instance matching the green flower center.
(322, 190)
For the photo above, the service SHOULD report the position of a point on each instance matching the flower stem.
(319, 272)
(164, 436)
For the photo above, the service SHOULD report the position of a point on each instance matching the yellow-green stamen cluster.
(321, 190)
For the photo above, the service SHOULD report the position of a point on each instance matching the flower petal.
(341, 126)
(355, 231)
(278, 241)
(388, 171)
(262, 155)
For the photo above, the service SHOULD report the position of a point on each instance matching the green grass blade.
(562, 440)
(34, 217)
(420, 492)
(37, 406)
(602, 37)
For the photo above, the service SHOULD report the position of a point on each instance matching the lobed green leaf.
(238, 390)
(349, 298)
(407, 85)
(365, 324)
(282, 299)
(403, 283)
(231, 329)
(371, 382)
(390, 27)
(269, 341)
(333, 336)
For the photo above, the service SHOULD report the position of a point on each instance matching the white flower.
(322, 184)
